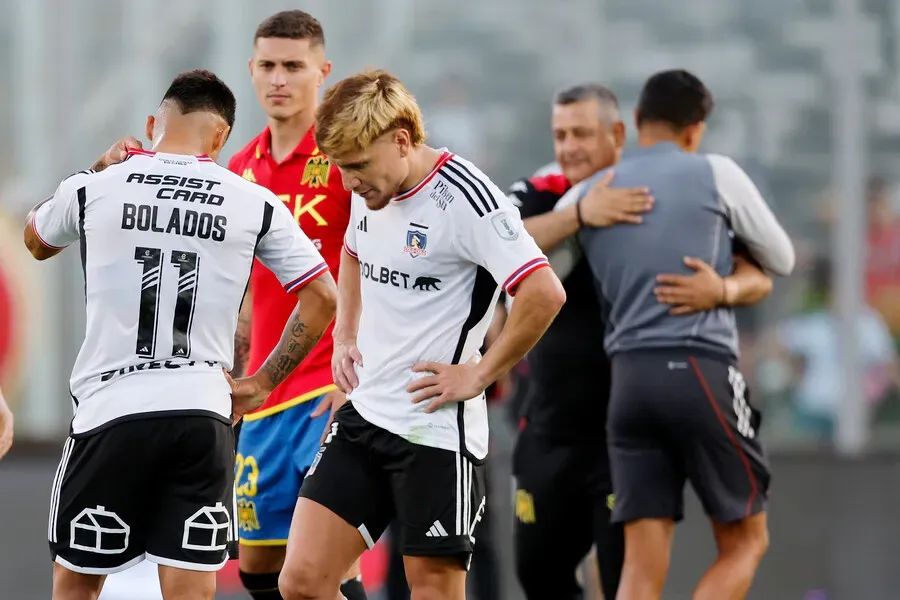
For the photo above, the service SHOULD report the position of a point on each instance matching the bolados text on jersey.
(177, 221)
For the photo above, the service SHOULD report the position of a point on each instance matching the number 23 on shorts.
(246, 487)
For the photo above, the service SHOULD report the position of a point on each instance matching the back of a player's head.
(674, 98)
(202, 91)
(292, 25)
(584, 92)
(360, 109)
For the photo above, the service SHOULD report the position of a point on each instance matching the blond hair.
(359, 109)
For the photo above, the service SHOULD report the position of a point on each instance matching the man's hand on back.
(604, 206)
(702, 291)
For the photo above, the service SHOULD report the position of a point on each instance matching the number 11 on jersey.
(188, 264)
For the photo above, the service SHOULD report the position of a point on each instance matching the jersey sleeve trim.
(37, 233)
(522, 272)
(350, 251)
(298, 284)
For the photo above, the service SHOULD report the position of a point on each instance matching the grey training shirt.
(701, 201)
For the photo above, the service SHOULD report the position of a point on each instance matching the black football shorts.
(369, 476)
(160, 489)
(677, 416)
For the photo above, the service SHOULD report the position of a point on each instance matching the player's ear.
(326, 71)
(619, 134)
(402, 139)
(220, 139)
(250, 67)
(151, 122)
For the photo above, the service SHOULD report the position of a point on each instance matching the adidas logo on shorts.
(437, 530)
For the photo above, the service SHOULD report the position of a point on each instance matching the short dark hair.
(677, 98)
(586, 91)
(201, 90)
(292, 25)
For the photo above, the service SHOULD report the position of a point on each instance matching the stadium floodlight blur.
(849, 167)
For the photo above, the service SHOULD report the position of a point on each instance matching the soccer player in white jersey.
(431, 242)
(167, 240)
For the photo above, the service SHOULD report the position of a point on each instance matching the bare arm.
(37, 247)
(596, 206)
(550, 229)
(706, 289)
(349, 303)
(747, 285)
(40, 249)
(539, 299)
(242, 336)
(751, 218)
(316, 304)
(346, 326)
(496, 325)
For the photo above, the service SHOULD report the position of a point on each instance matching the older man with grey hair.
(564, 492)
(679, 409)
(563, 489)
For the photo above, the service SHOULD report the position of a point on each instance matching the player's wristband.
(578, 214)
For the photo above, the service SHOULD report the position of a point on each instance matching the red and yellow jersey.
(312, 189)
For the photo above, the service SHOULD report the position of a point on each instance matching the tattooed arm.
(242, 337)
(316, 305)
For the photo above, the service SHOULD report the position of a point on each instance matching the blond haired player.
(431, 243)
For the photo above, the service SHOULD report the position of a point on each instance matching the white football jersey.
(167, 244)
(432, 264)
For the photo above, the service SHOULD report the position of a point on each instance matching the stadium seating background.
(79, 75)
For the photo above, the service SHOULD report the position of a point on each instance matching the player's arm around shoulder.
(535, 199)
(705, 289)
(53, 224)
(751, 218)
(593, 203)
